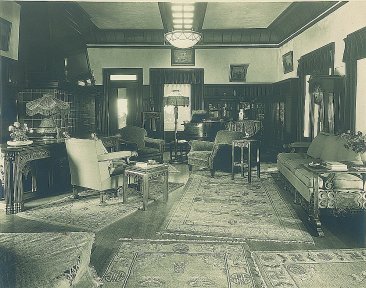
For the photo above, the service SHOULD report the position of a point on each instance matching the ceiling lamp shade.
(183, 38)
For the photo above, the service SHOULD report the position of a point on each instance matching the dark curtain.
(355, 49)
(317, 62)
(103, 109)
(161, 76)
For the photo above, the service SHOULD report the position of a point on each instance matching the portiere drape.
(161, 76)
(317, 62)
(355, 49)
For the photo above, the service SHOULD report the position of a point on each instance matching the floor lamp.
(176, 99)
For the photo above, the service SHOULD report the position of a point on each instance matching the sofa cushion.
(335, 150)
(292, 161)
(331, 147)
(316, 147)
(306, 177)
(340, 181)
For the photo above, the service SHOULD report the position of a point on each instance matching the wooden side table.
(180, 151)
(249, 145)
(145, 175)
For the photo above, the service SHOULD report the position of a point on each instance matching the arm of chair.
(297, 146)
(116, 155)
(156, 143)
(215, 150)
(200, 145)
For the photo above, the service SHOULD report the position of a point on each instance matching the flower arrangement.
(355, 141)
(18, 132)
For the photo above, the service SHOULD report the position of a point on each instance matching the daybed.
(340, 191)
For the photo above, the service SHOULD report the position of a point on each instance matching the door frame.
(108, 85)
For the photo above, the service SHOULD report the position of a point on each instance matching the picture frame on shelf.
(238, 72)
(288, 62)
(183, 57)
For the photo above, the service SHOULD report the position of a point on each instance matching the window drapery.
(161, 76)
(355, 49)
(317, 62)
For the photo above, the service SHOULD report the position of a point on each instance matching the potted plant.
(356, 142)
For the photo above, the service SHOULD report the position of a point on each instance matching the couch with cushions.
(337, 191)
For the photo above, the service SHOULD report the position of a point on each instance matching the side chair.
(214, 155)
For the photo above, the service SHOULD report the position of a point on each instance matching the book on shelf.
(334, 165)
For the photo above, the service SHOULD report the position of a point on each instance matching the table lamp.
(47, 105)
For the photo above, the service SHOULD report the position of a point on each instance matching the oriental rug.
(51, 260)
(221, 208)
(87, 214)
(331, 268)
(183, 264)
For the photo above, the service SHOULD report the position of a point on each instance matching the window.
(361, 96)
(184, 112)
(123, 77)
(122, 107)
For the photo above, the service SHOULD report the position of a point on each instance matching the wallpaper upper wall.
(334, 28)
(216, 62)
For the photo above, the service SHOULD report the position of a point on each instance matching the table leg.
(258, 162)
(166, 187)
(232, 161)
(145, 192)
(242, 160)
(249, 163)
(171, 151)
(316, 218)
(125, 188)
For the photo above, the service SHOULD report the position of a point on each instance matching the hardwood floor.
(340, 232)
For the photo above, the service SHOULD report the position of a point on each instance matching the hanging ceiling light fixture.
(183, 36)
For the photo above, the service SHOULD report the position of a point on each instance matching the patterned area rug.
(315, 268)
(51, 260)
(149, 263)
(222, 208)
(85, 213)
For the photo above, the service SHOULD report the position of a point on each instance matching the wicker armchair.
(213, 155)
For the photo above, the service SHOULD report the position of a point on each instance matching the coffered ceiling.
(267, 24)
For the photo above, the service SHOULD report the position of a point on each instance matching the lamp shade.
(47, 105)
(176, 101)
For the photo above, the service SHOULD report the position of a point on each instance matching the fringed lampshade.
(47, 105)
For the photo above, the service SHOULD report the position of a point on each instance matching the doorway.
(123, 92)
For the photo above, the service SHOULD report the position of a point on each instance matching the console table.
(18, 158)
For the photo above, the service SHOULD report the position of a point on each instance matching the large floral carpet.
(222, 208)
(51, 260)
(86, 213)
(183, 264)
(313, 268)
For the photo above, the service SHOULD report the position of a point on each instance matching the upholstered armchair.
(147, 148)
(91, 166)
(213, 155)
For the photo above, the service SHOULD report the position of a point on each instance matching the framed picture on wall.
(288, 62)
(5, 29)
(182, 57)
(238, 72)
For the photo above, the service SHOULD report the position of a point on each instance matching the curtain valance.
(355, 46)
(318, 61)
(176, 76)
